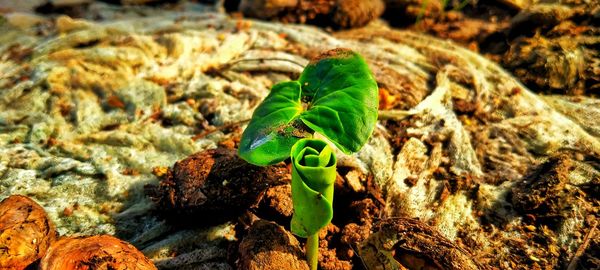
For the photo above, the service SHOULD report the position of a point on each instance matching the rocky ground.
(124, 120)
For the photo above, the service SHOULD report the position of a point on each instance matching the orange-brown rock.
(269, 246)
(25, 232)
(337, 13)
(99, 252)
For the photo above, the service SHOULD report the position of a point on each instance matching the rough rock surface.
(336, 13)
(91, 111)
(103, 252)
(399, 243)
(551, 46)
(269, 246)
(25, 232)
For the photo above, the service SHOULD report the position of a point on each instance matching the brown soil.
(269, 246)
(278, 202)
(551, 47)
(214, 183)
(544, 200)
(468, 25)
(194, 188)
(544, 191)
(355, 212)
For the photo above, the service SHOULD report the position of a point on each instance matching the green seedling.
(336, 96)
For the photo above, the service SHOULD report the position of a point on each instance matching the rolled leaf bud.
(313, 175)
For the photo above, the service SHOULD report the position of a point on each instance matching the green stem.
(312, 250)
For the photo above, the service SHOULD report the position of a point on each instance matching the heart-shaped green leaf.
(271, 133)
(342, 100)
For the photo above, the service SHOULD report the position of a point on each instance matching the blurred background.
(552, 46)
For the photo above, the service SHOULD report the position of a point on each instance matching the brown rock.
(24, 20)
(25, 232)
(328, 260)
(213, 186)
(66, 24)
(100, 252)
(357, 13)
(411, 244)
(412, 9)
(265, 9)
(562, 64)
(354, 179)
(269, 246)
(518, 4)
(279, 198)
(354, 233)
(338, 13)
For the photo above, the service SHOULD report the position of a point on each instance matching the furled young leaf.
(271, 134)
(313, 175)
(343, 98)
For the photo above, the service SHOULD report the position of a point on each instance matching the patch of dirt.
(398, 133)
(565, 63)
(277, 202)
(214, 183)
(356, 207)
(552, 47)
(355, 213)
(269, 246)
(544, 206)
(465, 23)
(544, 190)
(531, 246)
